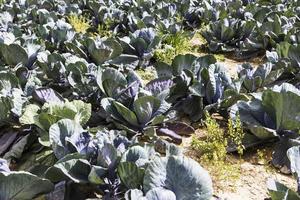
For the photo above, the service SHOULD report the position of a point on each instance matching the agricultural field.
(150, 100)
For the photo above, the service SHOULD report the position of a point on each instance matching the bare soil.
(252, 183)
(249, 179)
(241, 178)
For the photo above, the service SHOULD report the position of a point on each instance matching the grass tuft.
(173, 45)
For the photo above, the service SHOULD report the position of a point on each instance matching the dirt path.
(247, 179)
(252, 183)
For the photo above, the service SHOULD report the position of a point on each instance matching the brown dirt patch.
(246, 178)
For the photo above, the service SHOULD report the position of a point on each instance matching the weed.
(165, 55)
(79, 23)
(220, 57)
(213, 148)
(173, 45)
(213, 155)
(104, 31)
(236, 134)
(262, 156)
(146, 75)
(180, 41)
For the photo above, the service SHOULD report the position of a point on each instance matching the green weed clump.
(180, 41)
(220, 57)
(213, 148)
(79, 23)
(146, 75)
(165, 55)
(173, 45)
(261, 156)
(236, 134)
(213, 155)
(104, 31)
(212, 151)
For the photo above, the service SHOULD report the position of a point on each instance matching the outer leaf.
(59, 134)
(253, 116)
(29, 114)
(59, 192)
(130, 175)
(159, 87)
(125, 60)
(281, 104)
(8, 81)
(84, 111)
(44, 95)
(14, 54)
(73, 167)
(138, 155)
(22, 186)
(180, 128)
(169, 133)
(107, 104)
(145, 108)
(4, 166)
(134, 194)
(279, 191)
(76, 110)
(294, 157)
(127, 114)
(279, 157)
(182, 62)
(163, 70)
(112, 78)
(6, 140)
(160, 194)
(182, 175)
(96, 175)
(18, 148)
(107, 156)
